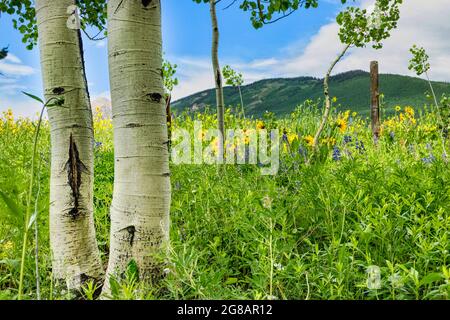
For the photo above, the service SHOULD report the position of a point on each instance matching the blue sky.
(302, 44)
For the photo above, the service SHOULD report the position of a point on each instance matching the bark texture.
(216, 68)
(141, 199)
(75, 254)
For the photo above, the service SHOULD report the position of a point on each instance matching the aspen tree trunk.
(242, 101)
(216, 68)
(141, 200)
(326, 93)
(75, 255)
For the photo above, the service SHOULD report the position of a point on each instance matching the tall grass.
(310, 232)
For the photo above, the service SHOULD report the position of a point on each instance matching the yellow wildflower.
(215, 145)
(398, 108)
(292, 137)
(341, 124)
(329, 141)
(409, 111)
(260, 125)
(309, 140)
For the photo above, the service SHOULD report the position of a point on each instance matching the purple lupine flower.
(336, 154)
(429, 160)
(302, 151)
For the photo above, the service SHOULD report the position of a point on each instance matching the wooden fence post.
(375, 100)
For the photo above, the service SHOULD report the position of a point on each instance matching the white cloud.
(12, 58)
(14, 72)
(15, 69)
(13, 66)
(11, 89)
(422, 23)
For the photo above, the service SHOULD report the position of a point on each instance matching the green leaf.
(13, 207)
(231, 281)
(115, 287)
(132, 270)
(32, 220)
(430, 278)
(12, 263)
(33, 97)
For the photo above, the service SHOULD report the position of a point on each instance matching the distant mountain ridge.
(282, 95)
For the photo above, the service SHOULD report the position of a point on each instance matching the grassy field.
(310, 232)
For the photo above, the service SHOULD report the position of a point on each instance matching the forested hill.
(351, 88)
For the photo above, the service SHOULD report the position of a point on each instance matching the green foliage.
(93, 14)
(24, 19)
(232, 77)
(419, 62)
(265, 12)
(309, 232)
(359, 27)
(169, 71)
(269, 11)
(445, 114)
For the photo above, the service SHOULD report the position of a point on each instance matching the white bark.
(141, 200)
(75, 255)
(326, 93)
(216, 67)
(242, 101)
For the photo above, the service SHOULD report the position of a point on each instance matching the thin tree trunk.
(216, 68)
(141, 199)
(326, 91)
(75, 254)
(242, 101)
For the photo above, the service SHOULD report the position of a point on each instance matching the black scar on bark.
(74, 168)
(131, 231)
(133, 125)
(58, 90)
(145, 3)
(218, 79)
(155, 97)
